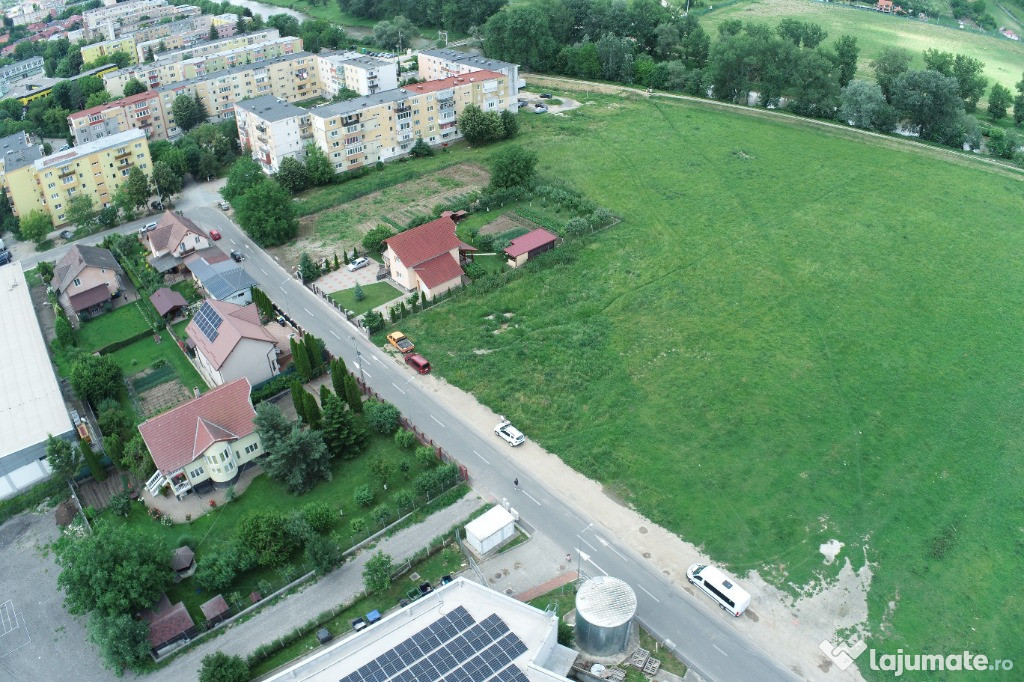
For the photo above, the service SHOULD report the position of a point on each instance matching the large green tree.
(395, 34)
(343, 435)
(112, 571)
(64, 458)
(318, 166)
(136, 188)
(166, 180)
(930, 103)
(863, 105)
(81, 211)
(122, 640)
(189, 111)
(845, 53)
(890, 63)
(95, 377)
(267, 214)
(134, 87)
(219, 667)
(294, 456)
(263, 535)
(522, 33)
(1018, 103)
(292, 175)
(377, 572)
(999, 101)
(36, 226)
(513, 166)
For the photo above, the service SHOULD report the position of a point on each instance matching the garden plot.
(342, 227)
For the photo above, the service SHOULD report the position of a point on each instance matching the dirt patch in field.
(341, 227)
(163, 397)
(507, 222)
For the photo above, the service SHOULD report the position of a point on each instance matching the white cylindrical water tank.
(605, 607)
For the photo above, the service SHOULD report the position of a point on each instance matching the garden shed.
(534, 242)
(490, 530)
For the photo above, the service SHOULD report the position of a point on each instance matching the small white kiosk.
(490, 530)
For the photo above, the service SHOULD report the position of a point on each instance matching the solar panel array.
(208, 320)
(454, 648)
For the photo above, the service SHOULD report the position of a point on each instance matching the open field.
(773, 350)
(1004, 59)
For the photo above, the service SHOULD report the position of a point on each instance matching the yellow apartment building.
(91, 53)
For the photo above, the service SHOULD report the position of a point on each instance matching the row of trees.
(453, 15)
(315, 170)
(481, 127)
(263, 208)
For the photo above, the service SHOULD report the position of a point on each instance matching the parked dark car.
(545, 95)
(67, 234)
(157, 205)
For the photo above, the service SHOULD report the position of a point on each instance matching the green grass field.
(1004, 59)
(377, 294)
(105, 329)
(143, 353)
(795, 335)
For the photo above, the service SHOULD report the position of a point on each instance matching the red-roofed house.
(174, 238)
(169, 626)
(231, 343)
(427, 258)
(205, 442)
(523, 248)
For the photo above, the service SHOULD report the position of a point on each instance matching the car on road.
(236, 256)
(67, 234)
(64, 147)
(358, 263)
(509, 433)
(223, 205)
(418, 363)
(717, 585)
(157, 205)
(545, 95)
(214, 235)
(148, 227)
(280, 320)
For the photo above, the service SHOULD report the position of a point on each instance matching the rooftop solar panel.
(208, 320)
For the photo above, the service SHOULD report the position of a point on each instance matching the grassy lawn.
(377, 294)
(490, 263)
(551, 216)
(187, 288)
(217, 527)
(122, 323)
(143, 353)
(771, 352)
(1004, 59)
(445, 562)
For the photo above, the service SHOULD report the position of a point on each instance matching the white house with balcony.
(204, 443)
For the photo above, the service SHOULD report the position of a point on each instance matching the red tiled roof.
(165, 300)
(167, 622)
(174, 437)
(438, 270)
(452, 81)
(90, 297)
(123, 102)
(427, 241)
(171, 230)
(237, 322)
(215, 607)
(529, 241)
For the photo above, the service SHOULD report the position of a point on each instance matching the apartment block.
(47, 183)
(135, 112)
(129, 17)
(365, 75)
(164, 72)
(272, 130)
(91, 53)
(205, 48)
(444, 63)
(365, 130)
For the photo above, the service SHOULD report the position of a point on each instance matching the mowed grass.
(108, 328)
(1004, 59)
(143, 353)
(793, 336)
(375, 294)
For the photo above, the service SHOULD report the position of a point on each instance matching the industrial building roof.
(31, 404)
(462, 631)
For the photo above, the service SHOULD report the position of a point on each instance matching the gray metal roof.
(18, 151)
(350, 105)
(270, 108)
(469, 59)
(605, 601)
(221, 280)
(170, 87)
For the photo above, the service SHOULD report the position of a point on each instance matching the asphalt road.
(697, 631)
(30, 258)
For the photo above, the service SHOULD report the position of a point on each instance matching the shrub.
(404, 499)
(264, 534)
(319, 516)
(358, 526)
(298, 528)
(437, 480)
(381, 416)
(364, 496)
(577, 227)
(217, 571)
(120, 504)
(404, 438)
(219, 667)
(426, 455)
(381, 515)
(322, 553)
(374, 239)
(474, 270)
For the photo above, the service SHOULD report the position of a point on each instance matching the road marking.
(231, 240)
(308, 311)
(335, 334)
(531, 497)
(596, 566)
(362, 370)
(283, 289)
(607, 545)
(649, 594)
(378, 360)
(588, 544)
(264, 272)
(481, 457)
(399, 390)
(720, 651)
(437, 420)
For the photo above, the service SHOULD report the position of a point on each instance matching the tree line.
(453, 15)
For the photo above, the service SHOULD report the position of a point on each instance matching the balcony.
(261, 128)
(405, 137)
(403, 108)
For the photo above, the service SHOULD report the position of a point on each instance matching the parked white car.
(360, 262)
(509, 433)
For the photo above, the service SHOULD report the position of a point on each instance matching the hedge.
(118, 345)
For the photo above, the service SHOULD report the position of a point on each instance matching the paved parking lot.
(39, 640)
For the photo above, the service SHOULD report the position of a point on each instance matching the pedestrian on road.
(568, 557)
(516, 483)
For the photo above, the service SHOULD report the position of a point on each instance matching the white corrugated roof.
(31, 405)
(490, 523)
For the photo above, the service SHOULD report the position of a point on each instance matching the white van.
(719, 587)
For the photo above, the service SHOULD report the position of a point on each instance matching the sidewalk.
(339, 587)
